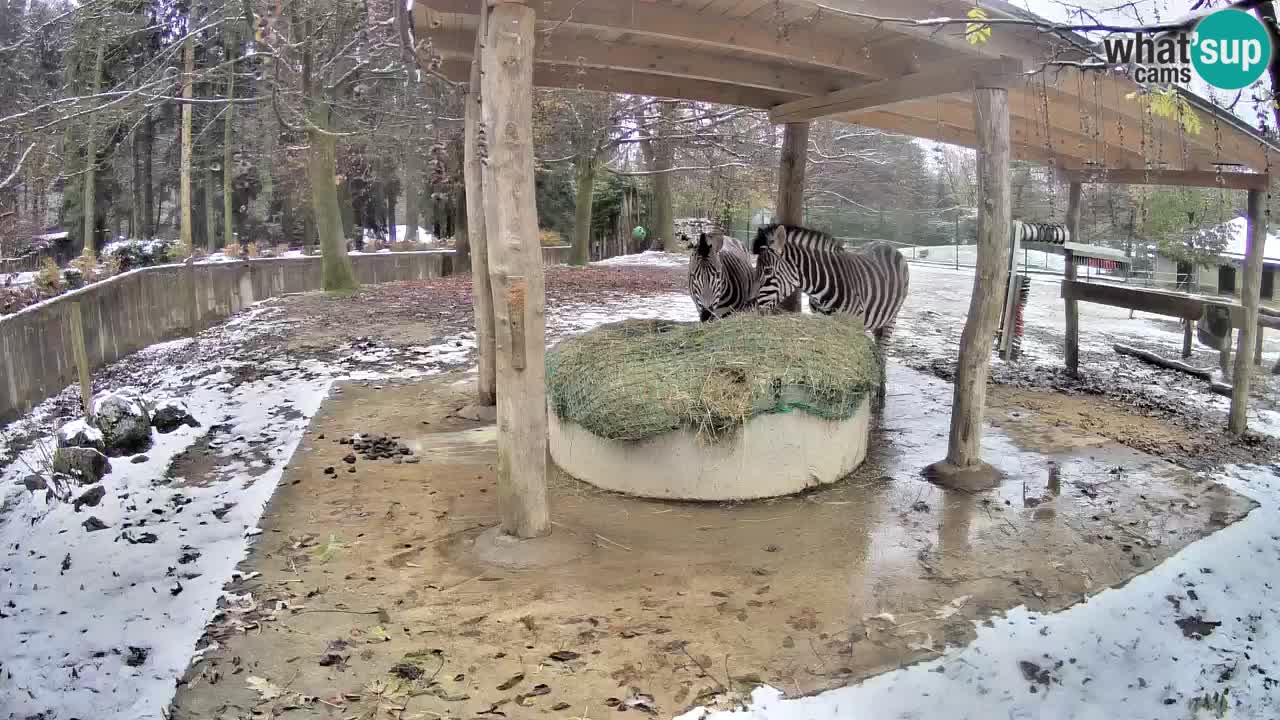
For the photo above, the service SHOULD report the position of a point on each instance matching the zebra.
(870, 283)
(720, 278)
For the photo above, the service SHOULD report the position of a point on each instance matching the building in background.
(1226, 276)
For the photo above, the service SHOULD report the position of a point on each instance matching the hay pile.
(636, 379)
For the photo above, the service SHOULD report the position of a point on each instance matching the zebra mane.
(807, 238)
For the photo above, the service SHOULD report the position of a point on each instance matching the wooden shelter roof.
(789, 56)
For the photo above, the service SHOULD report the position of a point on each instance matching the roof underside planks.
(766, 53)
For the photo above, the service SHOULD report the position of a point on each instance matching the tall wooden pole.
(791, 171)
(963, 466)
(1072, 350)
(515, 270)
(1249, 296)
(184, 178)
(481, 292)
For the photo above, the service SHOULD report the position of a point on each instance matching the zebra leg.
(882, 336)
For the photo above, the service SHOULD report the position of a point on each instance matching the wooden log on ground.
(1072, 350)
(792, 164)
(515, 270)
(1215, 386)
(481, 292)
(1155, 359)
(1250, 292)
(963, 467)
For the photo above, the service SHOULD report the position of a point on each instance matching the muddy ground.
(372, 599)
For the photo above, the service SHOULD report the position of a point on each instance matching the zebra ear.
(778, 239)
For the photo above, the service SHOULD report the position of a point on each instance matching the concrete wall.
(131, 311)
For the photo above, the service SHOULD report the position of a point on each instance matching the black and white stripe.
(720, 277)
(870, 283)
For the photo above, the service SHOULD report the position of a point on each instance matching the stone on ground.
(123, 420)
(80, 434)
(84, 464)
(171, 414)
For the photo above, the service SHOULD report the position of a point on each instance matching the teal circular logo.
(1230, 49)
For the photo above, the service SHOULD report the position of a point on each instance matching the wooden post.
(1187, 326)
(515, 269)
(1250, 291)
(193, 305)
(481, 291)
(963, 466)
(1257, 347)
(1072, 350)
(81, 354)
(791, 171)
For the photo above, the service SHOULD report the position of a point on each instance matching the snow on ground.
(151, 579)
(968, 254)
(103, 626)
(655, 258)
(18, 278)
(1120, 654)
(424, 236)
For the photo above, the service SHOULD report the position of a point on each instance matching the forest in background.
(250, 126)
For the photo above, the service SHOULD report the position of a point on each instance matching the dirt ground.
(365, 595)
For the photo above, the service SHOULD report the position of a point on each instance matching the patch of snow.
(60, 235)
(968, 254)
(18, 278)
(424, 236)
(1237, 232)
(1120, 654)
(76, 427)
(653, 258)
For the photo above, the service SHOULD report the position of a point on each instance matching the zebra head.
(707, 280)
(777, 274)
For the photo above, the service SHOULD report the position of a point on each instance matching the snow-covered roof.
(1238, 232)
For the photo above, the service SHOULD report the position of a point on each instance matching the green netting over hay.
(635, 379)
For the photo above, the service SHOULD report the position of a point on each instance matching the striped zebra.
(870, 283)
(720, 278)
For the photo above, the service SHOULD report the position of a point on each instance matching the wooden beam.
(515, 269)
(481, 291)
(800, 43)
(636, 83)
(1187, 307)
(1179, 178)
(1250, 290)
(792, 164)
(963, 466)
(585, 51)
(1072, 349)
(1000, 72)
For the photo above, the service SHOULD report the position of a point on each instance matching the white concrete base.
(771, 455)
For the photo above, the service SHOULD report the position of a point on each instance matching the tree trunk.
(136, 209)
(585, 166)
(963, 466)
(412, 184)
(793, 163)
(481, 291)
(184, 192)
(322, 168)
(1250, 291)
(210, 217)
(664, 221)
(89, 201)
(149, 209)
(228, 130)
(516, 271)
(1072, 337)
